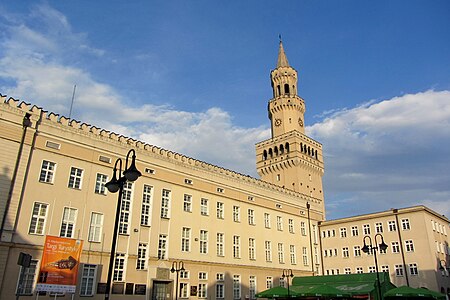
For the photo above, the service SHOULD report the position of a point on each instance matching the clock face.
(300, 122)
(277, 122)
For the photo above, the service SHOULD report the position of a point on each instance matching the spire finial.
(279, 36)
(282, 59)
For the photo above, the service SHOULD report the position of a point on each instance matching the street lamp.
(286, 274)
(370, 248)
(177, 266)
(116, 185)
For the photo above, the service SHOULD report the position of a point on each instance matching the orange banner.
(59, 265)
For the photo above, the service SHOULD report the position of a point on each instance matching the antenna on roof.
(73, 98)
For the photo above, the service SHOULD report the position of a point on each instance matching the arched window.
(281, 149)
(265, 155)
(270, 153)
(293, 90)
(275, 150)
(287, 147)
(316, 155)
(278, 90)
(286, 88)
(301, 147)
(309, 150)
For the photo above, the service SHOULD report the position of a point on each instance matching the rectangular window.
(236, 286)
(392, 226)
(203, 241)
(395, 247)
(372, 269)
(204, 207)
(220, 214)
(413, 270)
(28, 279)
(379, 227)
(357, 251)
(269, 282)
(184, 274)
(119, 267)
(125, 211)
(162, 246)
(385, 268)
(187, 203)
(202, 290)
(409, 246)
(343, 232)
(68, 222)
(184, 290)
(165, 203)
(268, 249)
(96, 227)
(305, 256)
(47, 171)
(75, 178)
(266, 220)
(399, 270)
(142, 257)
(186, 239)
(281, 253)
(345, 253)
(236, 214)
(405, 224)
(219, 244)
(291, 225)
(252, 286)
(359, 270)
(88, 276)
(279, 223)
(354, 230)
(347, 271)
(220, 290)
(146, 205)
(38, 218)
(236, 246)
(251, 217)
(366, 229)
(292, 254)
(251, 249)
(100, 182)
(303, 228)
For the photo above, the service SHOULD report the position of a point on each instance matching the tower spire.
(282, 59)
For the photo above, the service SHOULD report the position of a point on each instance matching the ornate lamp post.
(286, 274)
(116, 185)
(177, 266)
(370, 248)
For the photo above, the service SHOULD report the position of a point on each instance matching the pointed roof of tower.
(282, 59)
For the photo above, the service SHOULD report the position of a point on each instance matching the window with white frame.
(366, 229)
(266, 220)
(219, 244)
(220, 289)
(371, 269)
(385, 268)
(357, 251)
(269, 282)
(28, 279)
(165, 203)
(75, 177)
(409, 246)
(345, 252)
(100, 182)
(47, 171)
(303, 228)
(268, 250)
(202, 290)
(203, 241)
(184, 274)
(281, 253)
(236, 246)
(162, 246)
(251, 217)
(220, 210)
(236, 287)
(433, 225)
(184, 290)
(395, 246)
(399, 270)
(405, 224)
(359, 270)
(236, 213)
(305, 256)
(119, 267)
(142, 257)
(146, 208)
(343, 232)
(347, 271)
(291, 225)
(202, 275)
(379, 227)
(88, 275)
(279, 223)
(185, 239)
(187, 203)
(281, 282)
(292, 254)
(354, 230)
(96, 227)
(251, 249)
(38, 218)
(392, 226)
(125, 211)
(68, 222)
(252, 286)
(204, 207)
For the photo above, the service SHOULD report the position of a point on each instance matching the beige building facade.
(417, 242)
(234, 234)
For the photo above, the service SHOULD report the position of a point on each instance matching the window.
(220, 290)
(165, 203)
(266, 220)
(371, 269)
(150, 171)
(236, 286)
(354, 230)
(395, 247)
(187, 203)
(345, 252)
(100, 182)
(281, 253)
(219, 210)
(162, 246)
(409, 246)
(47, 171)
(303, 228)
(142, 256)
(305, 256)
(203, 241)
(366, 229)
(184, 274)
(146, 205)
(392, 226)
(204, 207)
(343, 232)
(220, 277)
(88, 276)
(184, 290)
(399, 270)
(28, 279)
(236, 214)
(37, 224)
(279, 223)
(251, 217)
(292, 254)
(347, 271)
(219, 244)
(252, 286)
(95, 228)
(75, 178)
(236, 246)
(251, 249)
(413, 270)
(385, 268)
(291, 225)
(357, 251)
(433, 225)
(119, 267)
(220, 190)
(202, 275)
(379, 227)
(202, 290)
(268, 249)
(269, 282)
(125, 211)
(188, 181)
(405, 224)
(359, 270)
(68, 222)
(186, 239)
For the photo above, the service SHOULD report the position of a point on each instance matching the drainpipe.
(395, 211)
(308, 206)
(320, 247)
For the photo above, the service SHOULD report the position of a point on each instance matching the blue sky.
(193, 76)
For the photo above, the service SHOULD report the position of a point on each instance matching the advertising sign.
(59, 266)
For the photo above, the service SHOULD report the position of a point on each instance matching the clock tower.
(289, 158)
